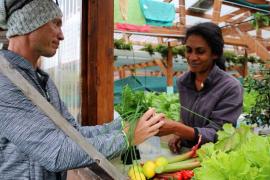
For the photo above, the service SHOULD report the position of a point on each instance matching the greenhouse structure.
(147, 89)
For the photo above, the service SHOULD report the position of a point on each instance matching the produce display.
(238, 154)
(179, 167)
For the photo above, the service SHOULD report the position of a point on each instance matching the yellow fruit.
(137, 176)
(161, 161)
(133, 169)
(149, 169)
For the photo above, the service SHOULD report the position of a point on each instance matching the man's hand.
(175, 144)
(147, 126)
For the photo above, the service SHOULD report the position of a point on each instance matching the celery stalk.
(181, 157)
(177, 167)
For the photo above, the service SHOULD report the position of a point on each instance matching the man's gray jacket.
(31, 146)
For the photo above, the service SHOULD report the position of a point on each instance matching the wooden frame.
(231, 22)
(97, 62)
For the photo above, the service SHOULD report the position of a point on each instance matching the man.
(31, 146)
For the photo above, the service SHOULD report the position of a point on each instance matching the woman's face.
(199, 55)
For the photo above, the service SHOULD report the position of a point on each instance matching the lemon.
(149, 169)
(161, 161)
(137, 176)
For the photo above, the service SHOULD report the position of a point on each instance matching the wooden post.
(169, 69)
(97, 61)
(216, 11)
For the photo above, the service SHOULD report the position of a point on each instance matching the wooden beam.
(216, 11)
(232, 14)
(97, 62)
(160, 41)
(240, 19)
(158, 32)
(156, 62)
(169, 31)
(182, 13)
(244, 27)
(234, 41)
(162, 66)
(255, 45)
(192, 13)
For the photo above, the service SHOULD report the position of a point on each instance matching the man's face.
(45, 40)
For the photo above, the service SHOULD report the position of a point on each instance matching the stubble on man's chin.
(48, 55)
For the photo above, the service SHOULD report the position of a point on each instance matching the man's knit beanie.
(21, 17)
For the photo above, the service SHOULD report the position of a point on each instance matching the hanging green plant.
(230, 56)
(260, 19)
(162, 49)
(254, 60)
(241, 59)
(121, 44)
(149, 48)
(179, 50)
(128, 46)
(175, 51)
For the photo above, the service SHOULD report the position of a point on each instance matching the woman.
(209, 97)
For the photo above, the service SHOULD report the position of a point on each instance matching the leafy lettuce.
(239, 154)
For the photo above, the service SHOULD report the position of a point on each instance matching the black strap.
(196, 135)
(43, 79)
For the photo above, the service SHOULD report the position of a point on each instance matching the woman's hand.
(147, 126)
(175, 144)
(167, 128)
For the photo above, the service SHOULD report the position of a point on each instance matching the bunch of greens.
(239, 154)
(165, 103)
(133, 104)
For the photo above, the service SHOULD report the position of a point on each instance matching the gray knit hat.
(21, 17)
